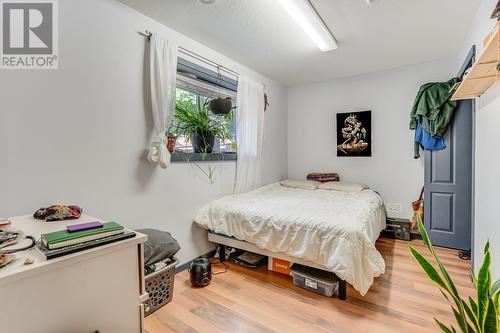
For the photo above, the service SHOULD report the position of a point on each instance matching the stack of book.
(81, 237)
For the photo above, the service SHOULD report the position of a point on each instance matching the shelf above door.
(483, 74)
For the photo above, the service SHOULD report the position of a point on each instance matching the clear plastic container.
(318, 281)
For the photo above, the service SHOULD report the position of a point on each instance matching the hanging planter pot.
(221, 106)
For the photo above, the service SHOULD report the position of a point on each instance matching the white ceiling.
(260, 35)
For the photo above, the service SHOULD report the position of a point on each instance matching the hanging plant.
(221, 106)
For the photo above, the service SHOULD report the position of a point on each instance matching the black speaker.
(200, 272)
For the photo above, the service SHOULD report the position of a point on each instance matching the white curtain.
(163, 67)
(249, 133)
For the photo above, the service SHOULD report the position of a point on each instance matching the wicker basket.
(160, 287)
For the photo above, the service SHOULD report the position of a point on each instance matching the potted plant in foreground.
(194, 120)
(472, 316)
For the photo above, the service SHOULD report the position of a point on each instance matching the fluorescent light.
(308, 19)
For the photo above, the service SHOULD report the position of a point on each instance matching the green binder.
(52, 239)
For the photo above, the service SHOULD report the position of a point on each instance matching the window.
(196, 87)
(196, 102)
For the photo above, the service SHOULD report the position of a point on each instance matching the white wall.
(487, 220)
(392, 170)
(78, 135)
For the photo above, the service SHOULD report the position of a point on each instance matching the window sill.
(181, 157)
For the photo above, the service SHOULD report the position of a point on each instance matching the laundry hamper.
(160, 287)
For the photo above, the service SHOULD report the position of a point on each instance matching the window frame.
(191, 73)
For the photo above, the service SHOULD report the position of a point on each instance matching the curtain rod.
(201, 58)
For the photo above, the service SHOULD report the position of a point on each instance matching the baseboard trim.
(185, 266)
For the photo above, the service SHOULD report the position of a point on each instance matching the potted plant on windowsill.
(195, 121)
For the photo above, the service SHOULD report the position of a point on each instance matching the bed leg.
(222, 253)
(342, 290)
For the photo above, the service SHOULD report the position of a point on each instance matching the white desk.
(97, 289)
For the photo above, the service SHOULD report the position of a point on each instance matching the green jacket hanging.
(433, 107)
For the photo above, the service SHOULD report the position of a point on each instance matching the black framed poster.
(354, 133)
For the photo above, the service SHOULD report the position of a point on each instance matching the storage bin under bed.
(315, 280)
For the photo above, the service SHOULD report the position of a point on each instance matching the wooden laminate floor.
(242, 300)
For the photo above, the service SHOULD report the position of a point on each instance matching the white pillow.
(302, 184)
(344, 187)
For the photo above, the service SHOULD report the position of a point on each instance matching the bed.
(332, 230)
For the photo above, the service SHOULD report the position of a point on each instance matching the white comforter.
(335, 229)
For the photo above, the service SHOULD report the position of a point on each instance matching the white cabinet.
(100, 289)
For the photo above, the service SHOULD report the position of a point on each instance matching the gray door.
(448, 206)
(448, 184)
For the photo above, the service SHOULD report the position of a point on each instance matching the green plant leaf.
(444, 295)
(491, 318)
(496, 287)
(449, 285)
(443, 327)
(472, 316)
(459, 320)
(452, 288)
(495, 295)
(423, 233)
(462, 321)
(487, 247)
(473, 305)
(496, 301)
(474, 277)
(427, 267)
(483, 288)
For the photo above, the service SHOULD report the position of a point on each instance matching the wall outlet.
(394, 207)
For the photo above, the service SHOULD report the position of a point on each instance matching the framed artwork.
(354, 134)
(496, 12)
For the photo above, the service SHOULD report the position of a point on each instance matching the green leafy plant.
(195, 117)
(472, 316)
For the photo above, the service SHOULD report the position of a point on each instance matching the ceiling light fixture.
(303, 12)
(207, 2)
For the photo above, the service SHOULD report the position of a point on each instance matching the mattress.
(334, 229)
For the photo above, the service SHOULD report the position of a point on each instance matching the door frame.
(470, 59)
